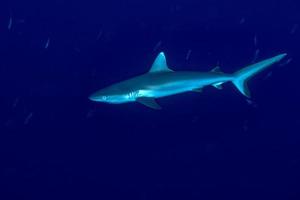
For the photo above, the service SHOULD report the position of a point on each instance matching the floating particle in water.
(294, 29)
(246, 125)
(77, 49)
(20, 21)
(255, 40)
(188, 54)
(16, 101)
(175, 8)
(195, 119)
(251, 103)
(90, 113)
(157, 46)
(47, 43)
(99, 35)
(9, 123)
(10, 22)
(211, 148)
(255, 57)
(286, 62)
(242, 21)
(268, 75)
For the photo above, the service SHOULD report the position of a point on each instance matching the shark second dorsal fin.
(160, 64)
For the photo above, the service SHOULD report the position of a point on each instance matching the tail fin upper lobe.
(241, 77)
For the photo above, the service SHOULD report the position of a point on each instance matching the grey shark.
(161, 81)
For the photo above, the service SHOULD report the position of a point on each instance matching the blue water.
(56, 144)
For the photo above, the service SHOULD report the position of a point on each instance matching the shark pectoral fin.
(218, 85)
(149, 102)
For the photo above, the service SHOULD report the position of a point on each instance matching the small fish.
(246, 125)
(242, 21)
(195, 119)
(255, 40)
(286, 62)
(188, 54)
(256, 54)
(251, 103)
(157, 46)
(20, 21)
(99, 34)
(16, 102)
(294, 29)
(268, 75)
(10, 21)
(28, 118)
(90, 113)
(77, 49)
(47, 43)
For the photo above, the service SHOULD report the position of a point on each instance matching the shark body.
(161, 81)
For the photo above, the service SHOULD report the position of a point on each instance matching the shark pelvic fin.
(160, 64)
(198, 90)
(149, 102)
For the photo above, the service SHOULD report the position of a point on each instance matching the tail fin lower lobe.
(241, 77)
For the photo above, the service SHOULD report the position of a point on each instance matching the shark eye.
(104, 98)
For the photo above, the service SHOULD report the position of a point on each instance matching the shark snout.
(94, 97)
(98, 96)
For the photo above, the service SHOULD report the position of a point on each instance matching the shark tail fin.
(241, 77)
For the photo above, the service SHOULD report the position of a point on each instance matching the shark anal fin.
(218, 85)
(149, 102)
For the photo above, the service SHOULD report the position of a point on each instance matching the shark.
(162, 81)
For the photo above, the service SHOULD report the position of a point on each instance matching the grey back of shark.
(161, 81)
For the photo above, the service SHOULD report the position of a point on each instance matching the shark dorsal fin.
(160, 64)
(216, 70)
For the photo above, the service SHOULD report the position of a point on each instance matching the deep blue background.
(56, 144)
